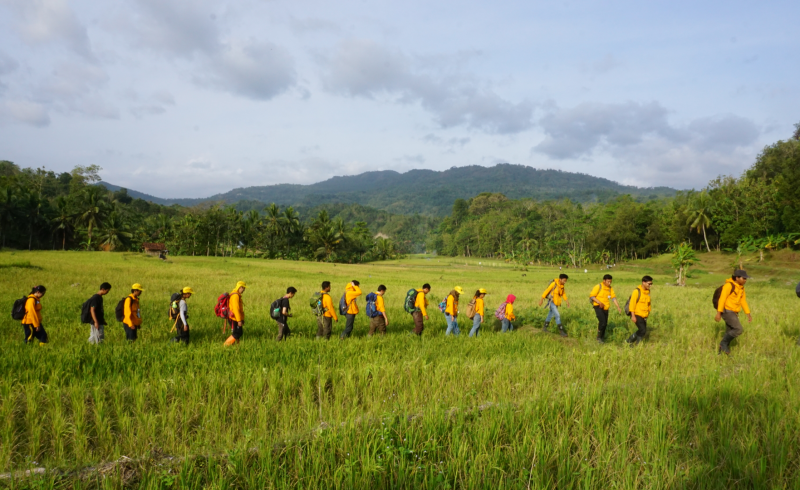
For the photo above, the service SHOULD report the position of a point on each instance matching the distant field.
(519, 410)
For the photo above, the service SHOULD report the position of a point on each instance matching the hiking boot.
(546, 324)
(633, 339)
(561, 331)
(724, 347)
(601, 339)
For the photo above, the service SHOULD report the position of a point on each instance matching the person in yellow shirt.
(351, 294)
(732, 300)
(508, 314)
(132, 321)
(328, 316)
(601, 297)
(640, 308)
(236, 313)
(451, 311)
(32, 321)
(381, 321)
(477, 320)
(555, 294)
(420, 309)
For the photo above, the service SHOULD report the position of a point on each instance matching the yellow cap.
(188, 290)
(137, 286)
(458, 290)
(482, 291)
(241, 284)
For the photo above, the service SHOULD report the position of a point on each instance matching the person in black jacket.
(97, 332)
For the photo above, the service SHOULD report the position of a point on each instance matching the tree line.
(40, 209)
(758, 211)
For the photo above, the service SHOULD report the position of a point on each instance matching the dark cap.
(740, 273)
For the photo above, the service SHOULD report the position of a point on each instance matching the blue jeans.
(476, 325)
(452, 325)
(507, 326)
(553, 314)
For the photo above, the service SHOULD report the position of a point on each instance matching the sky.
(189, 98)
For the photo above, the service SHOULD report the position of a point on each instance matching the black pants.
(31, 334)
(641, 327)
(602, 321)
(130, 333)
(348, 325)
(237, 330)
(183, 334)
(283, 331)
(324, 327)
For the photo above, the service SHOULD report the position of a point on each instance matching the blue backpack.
(371, 308)
(343, 304)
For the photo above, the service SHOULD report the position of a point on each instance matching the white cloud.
(363, 68)
(24, 111)
(46, 21)
(256, 71)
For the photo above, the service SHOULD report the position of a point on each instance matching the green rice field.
(519, 410)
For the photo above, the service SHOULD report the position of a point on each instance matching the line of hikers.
(728, 300)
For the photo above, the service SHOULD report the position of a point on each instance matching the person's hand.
(387, 323)
(633, 317)
(541, 300)
(749, 317)
(568, 305)
(718, 317)
(186, 328)
(426, 317)
(96, 326)
(337, 320)
(240, 323)
(619, 310)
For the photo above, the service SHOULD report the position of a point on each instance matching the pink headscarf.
(510, 299)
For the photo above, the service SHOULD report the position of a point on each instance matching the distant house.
(155, 249)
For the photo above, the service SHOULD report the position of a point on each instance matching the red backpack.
(500, 312)
(221, 309)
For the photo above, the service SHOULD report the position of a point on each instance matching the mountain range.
(427, 192)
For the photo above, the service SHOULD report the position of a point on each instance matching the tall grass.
(502, 410)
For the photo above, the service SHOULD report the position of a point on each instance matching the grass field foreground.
(518, 410)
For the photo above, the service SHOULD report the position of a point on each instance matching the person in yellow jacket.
(32, 321)
(132, 320)
(328, 316)
(508, 314)
(236, 309)
(451, 311)
(381, 321)
(555, 294)
(732, 300)
(601, 297)
(351, 294)
(640, 308)
(420, 309)
(477, 320)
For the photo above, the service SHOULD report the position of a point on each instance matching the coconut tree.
(64, 216)
(92, 210)
(700, 214)
(115, 232)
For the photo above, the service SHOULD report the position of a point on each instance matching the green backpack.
(411, 299)
(316, 304)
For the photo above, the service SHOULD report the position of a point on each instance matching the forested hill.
(430, 192)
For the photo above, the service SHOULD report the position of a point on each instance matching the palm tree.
(92, 210)
(9, 209)
(115, 232)
(700, 214)
(328, 241)
(384, 249)
(63, 219)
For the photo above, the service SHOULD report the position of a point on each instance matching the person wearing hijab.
(509, 314)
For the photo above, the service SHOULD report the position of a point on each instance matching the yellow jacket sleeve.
(128, 311)
(421, 302)
(32, 316)
(549, 288)
(745, 306)
(723, 296)
(327, 304)
(594, 293)
(510, 312)
(236, 308)
(479, 307)
(351, 293)
(379, 305)
(452, 306)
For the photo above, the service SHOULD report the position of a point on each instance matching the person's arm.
(182, 308)
(593, 295)
(546, 292)
(126, 319)
(745, 306)
(96, 324)
(422, 306)
(565, 297)
(381, 306)
(613, 296)
(723, 297)
(30, 312)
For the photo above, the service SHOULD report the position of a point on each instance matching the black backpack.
(718, 293)
(86, 312)
(275, 309)
(18, 310)
(627, 307)
(797, 290)
(119, 311)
